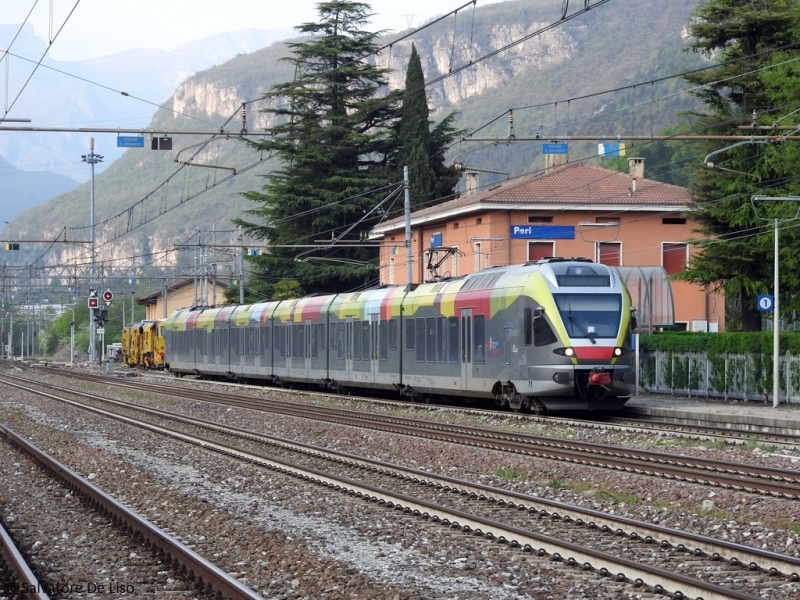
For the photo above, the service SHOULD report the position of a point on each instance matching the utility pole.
(241, 266)
(92, 159)
(409, 256)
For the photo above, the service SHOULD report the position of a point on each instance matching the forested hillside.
(146, 202)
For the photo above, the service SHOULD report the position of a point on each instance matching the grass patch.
(660, 503)
(619, 497)
(510, 473)
(557, 484)
(788, 525)
(751, 443)
(671, 442)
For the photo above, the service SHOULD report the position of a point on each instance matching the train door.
(466, 348)
(308, 339)
(348, 347)
(374, 340)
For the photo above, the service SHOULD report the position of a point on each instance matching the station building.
(637, 225)
(181, 294)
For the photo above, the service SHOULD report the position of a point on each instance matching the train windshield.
(590, 315)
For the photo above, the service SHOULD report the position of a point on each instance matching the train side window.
(280, 340)
(383, 340)
(365, 343)
(453, 341)
(298, 339)
(249, 347)
(441, 339)
(340, 340)
(543, 334)
(479, 325)
(265, 340)
(321, 335)
(333, 336)
(528, 325)
(357, 340)
(410, 336)
(313, 344)
(420, 335)
(392, 334)
(430, 338)
(234, 338)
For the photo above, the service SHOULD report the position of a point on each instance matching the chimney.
(553, 161)
(636, 167)
(472, 182)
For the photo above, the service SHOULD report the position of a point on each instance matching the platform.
(742, 416)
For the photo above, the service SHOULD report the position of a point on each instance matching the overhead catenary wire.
(465, 5)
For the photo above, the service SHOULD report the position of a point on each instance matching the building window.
(478, 221)
(673, 221)
(455, 225)
(673, 257)
(609, 253)
(539, 219)
(540, 250)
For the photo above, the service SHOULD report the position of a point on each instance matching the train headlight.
(620, 351)
(565, 351)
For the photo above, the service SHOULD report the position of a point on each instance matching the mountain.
(24, 189)
(149, 203)
(88, 93)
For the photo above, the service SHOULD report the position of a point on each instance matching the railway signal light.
(107, 297)
(94, 302)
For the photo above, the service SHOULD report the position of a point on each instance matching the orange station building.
(574, 210)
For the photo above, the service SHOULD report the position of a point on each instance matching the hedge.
(720, 343)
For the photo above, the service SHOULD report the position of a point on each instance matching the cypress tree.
(422, 148)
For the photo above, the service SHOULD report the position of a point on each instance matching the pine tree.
(738, 254)
(333, 136)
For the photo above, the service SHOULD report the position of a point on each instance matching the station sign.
(542, 232)
(130, 141)
(766, 303)
(555, 148)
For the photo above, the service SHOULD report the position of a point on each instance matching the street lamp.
(776, 323)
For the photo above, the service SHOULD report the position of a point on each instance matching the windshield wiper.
(574, 320)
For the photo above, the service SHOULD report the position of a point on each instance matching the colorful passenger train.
(552, 335)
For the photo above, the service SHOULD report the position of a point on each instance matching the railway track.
(782, 483)
(560, 529)
(17, 576)
(214, 580)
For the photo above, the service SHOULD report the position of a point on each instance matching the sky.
(101, 27)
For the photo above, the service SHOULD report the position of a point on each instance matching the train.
(143, 345)
(545, 336)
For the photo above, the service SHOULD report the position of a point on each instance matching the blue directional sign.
(130, 141)
(555, 148)
(766, 303)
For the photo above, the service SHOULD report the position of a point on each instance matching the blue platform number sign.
(766, 303)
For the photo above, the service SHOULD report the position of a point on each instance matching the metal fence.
(728, 376)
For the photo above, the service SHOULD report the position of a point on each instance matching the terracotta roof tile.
(575, 184)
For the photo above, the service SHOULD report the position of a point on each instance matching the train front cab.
(580, 356)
